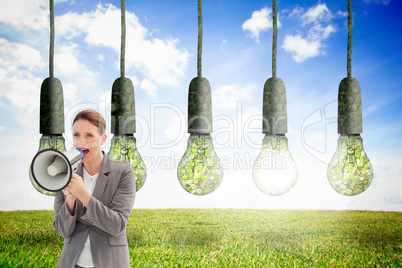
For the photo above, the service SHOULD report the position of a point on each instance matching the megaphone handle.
(66, 192)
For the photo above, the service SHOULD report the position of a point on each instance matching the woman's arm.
(64, 220)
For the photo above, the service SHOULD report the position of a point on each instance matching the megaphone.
(52, 170)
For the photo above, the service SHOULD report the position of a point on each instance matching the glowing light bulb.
(275, 170)
(200, 171)
(350, 171)
(124, 148)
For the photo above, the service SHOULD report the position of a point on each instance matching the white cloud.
(341, 14)
(303, 48)
(318, 32)
(260, 21)
(70, 94)
(226, 97)
(17, 84)
(103, 26)
(100, 57)
(21, 87)
(297, 11)
(25, 14)
(316, 13)
(15, 55)
(149, 87)
(72, 25)
(22, 90)
(65, 61)
(160, 61)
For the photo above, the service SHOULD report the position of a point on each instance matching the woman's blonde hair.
(94, 118)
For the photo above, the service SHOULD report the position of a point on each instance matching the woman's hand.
(70, 200)
(77, 189)
(76, 185)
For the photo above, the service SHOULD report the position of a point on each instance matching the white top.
(85, 258)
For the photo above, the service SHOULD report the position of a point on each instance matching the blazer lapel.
(102, 178)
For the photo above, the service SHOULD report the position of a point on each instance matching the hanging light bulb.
(274, 171)
(123, 145)
(350, 171)
(199, 171)
(124, 148)
(51, 114)
(123, 124)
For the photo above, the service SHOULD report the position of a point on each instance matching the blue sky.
(161, 61)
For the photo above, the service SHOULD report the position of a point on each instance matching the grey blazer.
(104, 220)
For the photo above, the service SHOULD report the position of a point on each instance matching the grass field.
(224, 238)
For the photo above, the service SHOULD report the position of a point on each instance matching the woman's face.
(86, 137)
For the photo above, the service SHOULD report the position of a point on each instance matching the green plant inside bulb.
(56, 142)
(350, 171)
(275, 171)
(124, 148)
(200, 171)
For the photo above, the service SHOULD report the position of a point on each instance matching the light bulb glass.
(200, 171)
(56, 142)
(124, 148)
(350, 171)
(275, 171)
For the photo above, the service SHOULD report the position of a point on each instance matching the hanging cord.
(199, 51)
(51, 49)
(275, 37)
(123, 39)
(349, 38)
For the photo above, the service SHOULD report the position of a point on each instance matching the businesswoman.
(92, 211)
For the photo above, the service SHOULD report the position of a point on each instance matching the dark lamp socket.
(51, 111)
(123, 107)
(349, 107)
(275, 120)
(199, 106)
